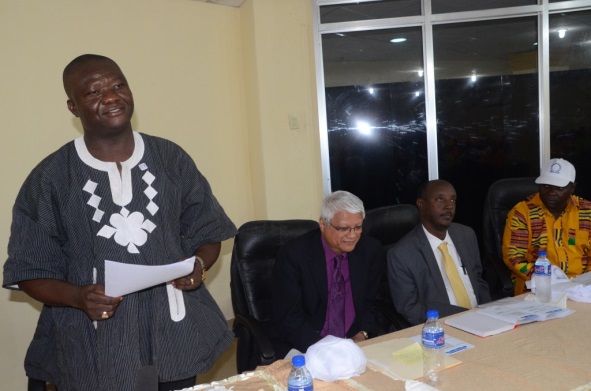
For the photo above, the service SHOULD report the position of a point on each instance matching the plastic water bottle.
(299, 378)
(433, 346)
(543, 276)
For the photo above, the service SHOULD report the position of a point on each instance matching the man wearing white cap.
(552, 219)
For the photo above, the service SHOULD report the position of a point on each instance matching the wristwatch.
(364, 334)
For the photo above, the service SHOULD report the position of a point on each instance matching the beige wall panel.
(220, 81)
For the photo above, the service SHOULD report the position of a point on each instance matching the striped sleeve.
(516, 241)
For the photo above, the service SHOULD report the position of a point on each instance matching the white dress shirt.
(435, 242)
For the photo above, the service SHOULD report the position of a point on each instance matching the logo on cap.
(555, 168)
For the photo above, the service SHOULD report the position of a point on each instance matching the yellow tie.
(454, 277)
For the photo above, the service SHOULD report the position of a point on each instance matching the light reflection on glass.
(377, 142)
(364, 128)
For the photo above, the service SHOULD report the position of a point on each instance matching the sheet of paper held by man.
(119, 283)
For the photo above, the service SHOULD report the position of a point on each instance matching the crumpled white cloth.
(414, 385)
(580, 293)
(557, 276)
(572, 288)
(333, 358)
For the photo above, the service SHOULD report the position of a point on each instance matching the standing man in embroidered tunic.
(552, 219)
(116, 194)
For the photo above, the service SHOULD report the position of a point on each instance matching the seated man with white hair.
(325, 282)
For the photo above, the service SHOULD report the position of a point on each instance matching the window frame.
(426, 21)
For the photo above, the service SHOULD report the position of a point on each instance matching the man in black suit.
(418, 272)
(325, 282)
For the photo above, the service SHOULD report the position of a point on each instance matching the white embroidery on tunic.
(129, 229)
(98, 215)
(94, 200)
(150, 192)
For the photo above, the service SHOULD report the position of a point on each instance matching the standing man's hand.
(193, 280)
(58, 293)
(205, 256)
(94, 302)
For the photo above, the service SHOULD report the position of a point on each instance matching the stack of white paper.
(499, 318)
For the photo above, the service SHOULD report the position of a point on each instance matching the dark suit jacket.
(415, 280)
(300, 288)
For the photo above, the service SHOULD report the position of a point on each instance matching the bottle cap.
(298, 361)
(542, 253)
(432, 314)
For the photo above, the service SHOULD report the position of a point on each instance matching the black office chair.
(36, 385)
(502, 196)
(389, 224)
(253, 258)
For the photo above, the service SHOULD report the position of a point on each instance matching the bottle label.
(300, 388)
(542, 270)
(434, 340)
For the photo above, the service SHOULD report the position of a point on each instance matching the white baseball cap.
(557, 172)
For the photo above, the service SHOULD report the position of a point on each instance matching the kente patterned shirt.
(531, 227)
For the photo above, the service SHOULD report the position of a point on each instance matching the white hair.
(340, 201)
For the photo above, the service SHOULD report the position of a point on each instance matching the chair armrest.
(388, 311)
(503, 277)
(255, 329)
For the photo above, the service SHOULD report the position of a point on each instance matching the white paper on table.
(525, 311)
(122, 278)
(452, 344)
(414, 385)
(581, 293)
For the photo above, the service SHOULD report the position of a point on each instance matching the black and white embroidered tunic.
(73, 213)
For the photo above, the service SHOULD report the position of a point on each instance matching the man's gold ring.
(192, 281)
(105, 315)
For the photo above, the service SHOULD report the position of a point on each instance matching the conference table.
(552, 355)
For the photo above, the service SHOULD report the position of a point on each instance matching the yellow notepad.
(400, 359)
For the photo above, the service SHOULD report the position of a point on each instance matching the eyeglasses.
(347, 230)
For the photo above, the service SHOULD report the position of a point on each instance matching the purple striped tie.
(336, 307)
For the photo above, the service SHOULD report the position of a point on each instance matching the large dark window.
(570, 92)
(461, 95)
(487, 107)
(443, 6)
(376, 114)
(369, 10)
(377, 141)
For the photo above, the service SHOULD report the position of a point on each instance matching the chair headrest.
(504, 194)
(388, 224)
(263, 238)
